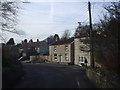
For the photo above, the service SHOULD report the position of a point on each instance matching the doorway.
(60, 58)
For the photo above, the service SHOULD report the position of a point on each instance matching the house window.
(66, 56)
(66, 47)
(55, 56)
(81, 41)
(55, 49)
(81, 59)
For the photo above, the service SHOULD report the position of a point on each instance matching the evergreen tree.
(10, 42)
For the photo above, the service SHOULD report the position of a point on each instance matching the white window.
(66, 47)
(66, 56)
(81, 59)
(55, 49)
(55, 56)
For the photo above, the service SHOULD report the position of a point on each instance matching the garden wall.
(103, 79)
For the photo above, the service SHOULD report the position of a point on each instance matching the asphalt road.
(54, 76)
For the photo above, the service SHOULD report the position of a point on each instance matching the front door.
(60, 58)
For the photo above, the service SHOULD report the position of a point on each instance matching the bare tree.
(66, 34)
(111, 25)
(31, 41)
(107, 51)
(11, 42)
(8, 15)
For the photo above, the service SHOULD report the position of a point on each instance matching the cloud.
(21, 32)
(46, 18)
(41, 19)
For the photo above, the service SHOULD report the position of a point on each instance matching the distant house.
(72, 50)
(61, 51)
(30, 48)
(44, 46)
(41, 48)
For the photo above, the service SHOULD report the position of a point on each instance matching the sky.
(40, 19)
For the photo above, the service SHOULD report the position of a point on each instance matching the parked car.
(26, 61)
(23, 58)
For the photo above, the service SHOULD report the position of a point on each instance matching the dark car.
(23, 58)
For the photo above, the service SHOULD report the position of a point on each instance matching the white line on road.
(78, 83)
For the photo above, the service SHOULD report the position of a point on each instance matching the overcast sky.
(38, 20)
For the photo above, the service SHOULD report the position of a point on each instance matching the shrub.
(108, 59)
(9, 56)
(12, 69)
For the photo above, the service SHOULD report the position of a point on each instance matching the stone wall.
(103, 79)
(38, 59)
(60, 51)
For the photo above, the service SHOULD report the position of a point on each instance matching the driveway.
(46, 75)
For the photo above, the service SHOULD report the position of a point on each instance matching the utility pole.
(91, 37)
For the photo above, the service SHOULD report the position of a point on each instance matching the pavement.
(49, 75)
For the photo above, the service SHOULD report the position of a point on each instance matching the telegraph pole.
(91, 37)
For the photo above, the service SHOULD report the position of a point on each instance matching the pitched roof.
(29, 45)
(68, 41)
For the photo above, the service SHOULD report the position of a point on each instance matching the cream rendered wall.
(78, 52)
(60, 51)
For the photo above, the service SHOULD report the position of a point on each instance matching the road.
(54, 76)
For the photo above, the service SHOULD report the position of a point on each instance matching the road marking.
(78, 83)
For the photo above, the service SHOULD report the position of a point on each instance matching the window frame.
(66, 57)
(55, 57)
(66, 47)
(55, 48)
(81, 59)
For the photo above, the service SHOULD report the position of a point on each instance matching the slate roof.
(68, 41)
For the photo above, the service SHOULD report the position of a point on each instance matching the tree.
(82, 29)
(30, 41)
(110, 26)
(56, 37)
(66, 34)
(37, 40)
(50, 39)
(107, 41)
(22, 42)
(9, 10)
(114, 10)
(10, 42)
(19, 44)
(8, 16)
(25, 41)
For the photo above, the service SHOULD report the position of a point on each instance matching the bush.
(12, 69)
(108, 59)
(9, 56)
